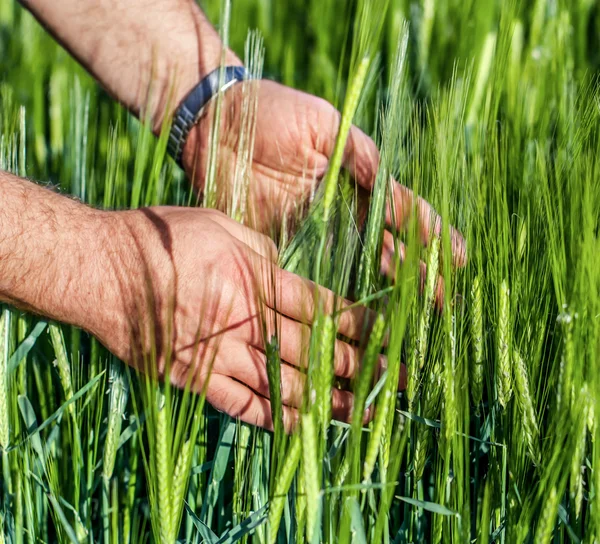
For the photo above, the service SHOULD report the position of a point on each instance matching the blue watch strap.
(190, 109)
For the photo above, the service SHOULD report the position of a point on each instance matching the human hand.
(199, 286)
(295, 138)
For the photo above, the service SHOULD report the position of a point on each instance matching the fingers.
(296, 297)
(388, 266)
(292, 384)
(261, 244)
(361, 158)
(400, 209)
(239, 401)
(294, 342)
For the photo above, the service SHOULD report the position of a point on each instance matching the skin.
(135, 279)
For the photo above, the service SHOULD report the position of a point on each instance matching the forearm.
(52, 250)
(144, 52)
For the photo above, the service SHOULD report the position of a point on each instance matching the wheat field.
(490, 111)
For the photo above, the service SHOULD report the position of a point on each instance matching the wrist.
(137, 280)
(85, 287)
(147, 55)
(51, 252)
(197, 51)
(196, 145)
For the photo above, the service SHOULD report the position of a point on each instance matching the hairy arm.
(139, 50)
(53, 253)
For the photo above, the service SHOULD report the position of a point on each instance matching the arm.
(48, 243)
(137, 47)
(128, 44)
(132, 277)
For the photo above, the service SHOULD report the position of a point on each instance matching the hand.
(213, 282)
(295, 137)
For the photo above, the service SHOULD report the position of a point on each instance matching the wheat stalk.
(4, 383)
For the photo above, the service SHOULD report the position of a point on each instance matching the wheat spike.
(282, 487)
(310, 473)
(504, 379)
(567, 361)
(118, 394)
(476, 366)
(417, 359)
(577, 460)
(412, 379)
(428, 299)
(545, 527)
(420, 452)
(326, 372)
(62, 363)
(377, 434)
(432, 393)
(342, 472)
(449, 406)
(181, 478)
(529, 423)
(300, 508)
(163, 476)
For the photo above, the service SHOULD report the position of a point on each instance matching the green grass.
(491, 111)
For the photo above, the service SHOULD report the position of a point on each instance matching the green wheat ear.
(62, 363)
(163, 475)
(545, 528)
(578, 459)
(288, 469)
(118, 395)
(327, 328)
(181, 476)
(504, 377)
(310, 473)
(524, 398)
(476, 367)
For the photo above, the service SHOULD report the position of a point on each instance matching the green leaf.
(63, 519)
(356, 521)
(28, 414)
(26, 346)
(430, 506)
(238, 532)
(33, 430)
(221, 460)
(205, 531)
